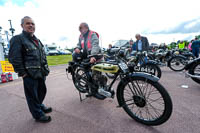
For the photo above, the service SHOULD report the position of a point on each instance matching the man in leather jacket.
(28, 58)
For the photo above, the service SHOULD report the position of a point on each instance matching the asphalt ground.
(94, 116)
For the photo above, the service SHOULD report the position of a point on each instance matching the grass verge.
(58, 59)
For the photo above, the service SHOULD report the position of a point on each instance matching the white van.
(52, 50)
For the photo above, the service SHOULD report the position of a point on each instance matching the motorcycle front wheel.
(145, 101)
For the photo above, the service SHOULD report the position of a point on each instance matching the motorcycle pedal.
(89, 95)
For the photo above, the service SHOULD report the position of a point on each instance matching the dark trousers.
(195, 51)
(35, 92)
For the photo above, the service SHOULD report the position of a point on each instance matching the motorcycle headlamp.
(176, 52)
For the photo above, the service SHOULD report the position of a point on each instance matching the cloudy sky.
(58, 20)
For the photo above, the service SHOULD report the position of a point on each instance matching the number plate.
(123, 66)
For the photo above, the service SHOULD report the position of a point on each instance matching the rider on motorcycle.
(88, 44)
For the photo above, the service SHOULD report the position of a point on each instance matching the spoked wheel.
(145, 101)
(195, 70)
(177, 63)
(79, 80)
(152, 69)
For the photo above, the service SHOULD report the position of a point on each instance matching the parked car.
(121, 43)
(64, 52)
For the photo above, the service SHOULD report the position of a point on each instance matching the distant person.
(190, 46)
(132, 45)
(181, 45)
(163, 46)
(195, 47)
(109, 51)
(28, 58)
(142, 43)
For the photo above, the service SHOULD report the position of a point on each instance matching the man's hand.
(92, 60)
(77, 50)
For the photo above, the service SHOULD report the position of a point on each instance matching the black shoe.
(46, 109)
(99, 96)
(44, 119)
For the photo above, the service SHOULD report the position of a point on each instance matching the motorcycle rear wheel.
(79, 79)
(152, 69)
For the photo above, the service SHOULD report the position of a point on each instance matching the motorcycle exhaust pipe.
(192, 76)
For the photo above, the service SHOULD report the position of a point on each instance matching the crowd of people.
(142, 44)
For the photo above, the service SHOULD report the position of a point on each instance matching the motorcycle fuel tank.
(106, 68)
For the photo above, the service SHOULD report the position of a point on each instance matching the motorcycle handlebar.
(96, 55)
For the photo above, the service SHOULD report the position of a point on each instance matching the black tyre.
(145, 101)
(152, 69)
(195, 70)
(79, 79)
(177, 63)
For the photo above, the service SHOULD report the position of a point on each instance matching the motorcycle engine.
(99, 78)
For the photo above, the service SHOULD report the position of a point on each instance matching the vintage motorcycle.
(193, 70)
(174, 59)
(142, 63)
(140, 94)
(179, 59)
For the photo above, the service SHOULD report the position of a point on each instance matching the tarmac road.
(93, 116)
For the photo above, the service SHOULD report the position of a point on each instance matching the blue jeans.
(195, 51)
(35, 92)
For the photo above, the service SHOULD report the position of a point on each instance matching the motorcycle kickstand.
(80, 96)
(82, 99)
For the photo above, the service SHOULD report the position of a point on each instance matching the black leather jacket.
(27, 57)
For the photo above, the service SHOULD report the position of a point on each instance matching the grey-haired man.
(142, 43)
(28, 58)
(88, 43)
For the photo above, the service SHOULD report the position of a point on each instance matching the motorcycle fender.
(144, 75)
(191, 63)
(133, 75)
